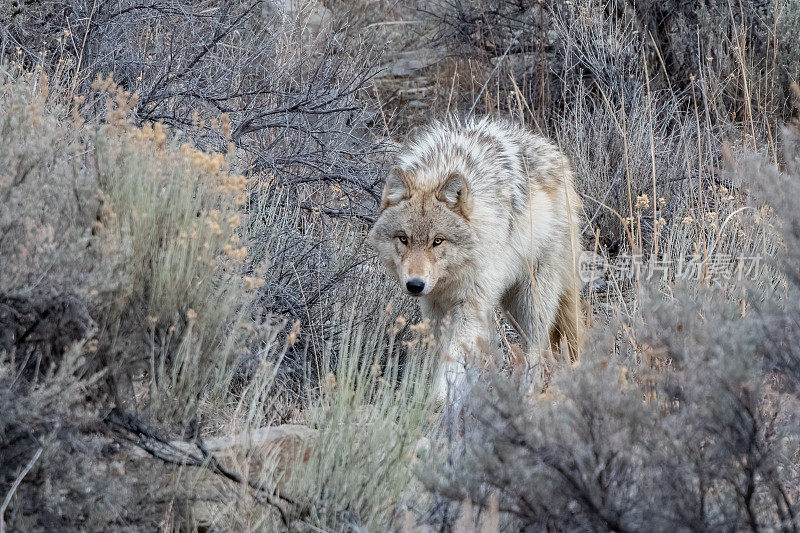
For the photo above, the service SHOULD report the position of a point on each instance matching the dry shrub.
(145, 233)
(641, 97)
(353, 466)
(287, 74)
(371, 415)
(178, 209)
(169, 322)
(54, 261)
(290, 77)
(685, 419)
(124, 280)
(123, 275)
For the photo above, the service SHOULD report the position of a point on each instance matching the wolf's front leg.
(452, 373)
(469, 336)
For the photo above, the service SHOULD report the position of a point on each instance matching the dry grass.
(182, 246)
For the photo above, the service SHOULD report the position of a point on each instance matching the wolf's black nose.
(415, 286)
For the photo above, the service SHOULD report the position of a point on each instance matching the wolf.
(477, 215)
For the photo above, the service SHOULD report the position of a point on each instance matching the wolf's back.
(503, 162)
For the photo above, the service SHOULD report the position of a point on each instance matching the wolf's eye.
(437, 241)
(403, 239)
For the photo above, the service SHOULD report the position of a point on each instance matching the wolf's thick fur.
(478, 215)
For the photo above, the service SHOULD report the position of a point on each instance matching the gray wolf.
(478, 215)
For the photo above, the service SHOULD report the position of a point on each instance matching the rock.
(312, 18)
(409, 62)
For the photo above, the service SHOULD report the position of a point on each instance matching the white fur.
(523, 214)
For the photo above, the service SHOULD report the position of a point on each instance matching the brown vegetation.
(184, 191)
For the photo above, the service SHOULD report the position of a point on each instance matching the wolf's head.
(423, 235)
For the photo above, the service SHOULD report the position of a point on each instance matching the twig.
(14, 488)
(128, 428)
(338, 213)
(80, 55)
(491, 75)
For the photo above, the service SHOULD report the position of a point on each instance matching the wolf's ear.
(397, 188)
(456, 193)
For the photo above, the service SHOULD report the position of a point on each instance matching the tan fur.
(480, 215)
(567, 325)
